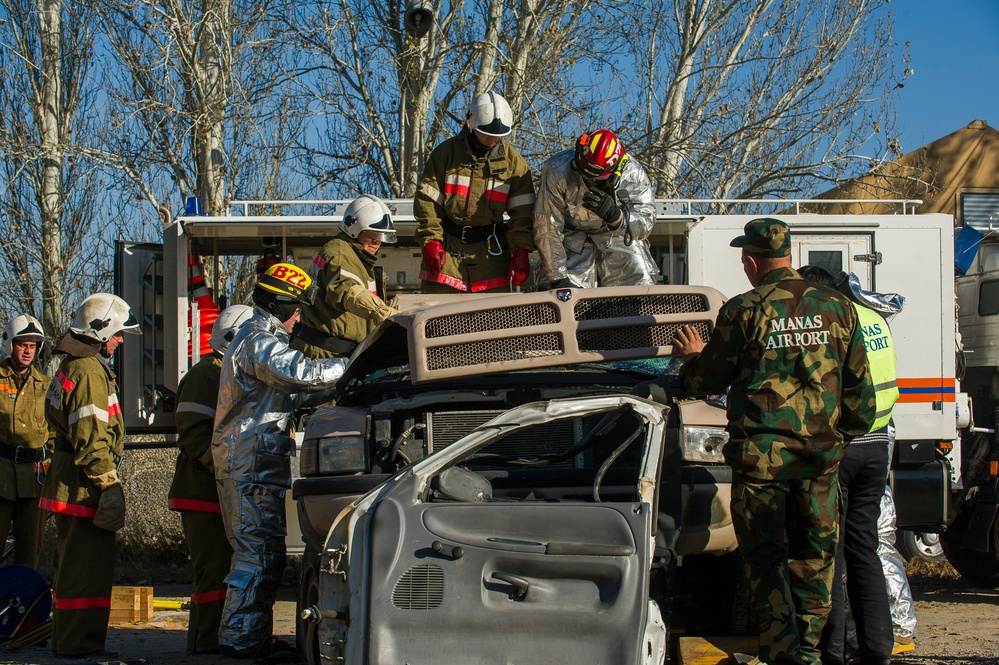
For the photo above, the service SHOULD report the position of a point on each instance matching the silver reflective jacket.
(562, 225)
(263, 382)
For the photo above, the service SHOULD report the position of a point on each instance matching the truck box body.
(912, 255)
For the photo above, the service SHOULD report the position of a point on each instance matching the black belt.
(470, 234)
(341, 347)
(22, 455)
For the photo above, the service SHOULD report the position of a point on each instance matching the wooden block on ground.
(714, 650)
(131, 604)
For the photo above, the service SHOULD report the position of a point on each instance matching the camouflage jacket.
(793, 356)
(193, 486)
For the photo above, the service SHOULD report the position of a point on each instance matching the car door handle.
(520, 585)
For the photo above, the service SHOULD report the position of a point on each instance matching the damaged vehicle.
(512, 472)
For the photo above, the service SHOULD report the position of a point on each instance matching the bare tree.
(741, 98)
(198, 105)
(382, 97)
(48, 236)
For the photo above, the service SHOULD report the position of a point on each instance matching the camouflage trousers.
(788, 531)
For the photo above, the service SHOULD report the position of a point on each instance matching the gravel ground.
(956, 626)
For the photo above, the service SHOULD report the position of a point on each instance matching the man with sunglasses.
(593, 216)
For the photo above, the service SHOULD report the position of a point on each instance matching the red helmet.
(598, 154)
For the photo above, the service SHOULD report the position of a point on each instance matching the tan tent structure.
(942, 174)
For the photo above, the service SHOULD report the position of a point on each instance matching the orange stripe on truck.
(925, 390)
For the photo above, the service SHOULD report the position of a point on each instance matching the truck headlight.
(308, 465)
(703, 444)
(342, 454)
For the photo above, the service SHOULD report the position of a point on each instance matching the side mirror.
(463, 485)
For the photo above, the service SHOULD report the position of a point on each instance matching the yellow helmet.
(282, 288)
(288, 283)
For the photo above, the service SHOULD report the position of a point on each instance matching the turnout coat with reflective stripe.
(82, 407)
(474, 191)
(22, 423)
(341, 264)
(193, 486)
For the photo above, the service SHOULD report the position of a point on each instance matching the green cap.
(766, 237)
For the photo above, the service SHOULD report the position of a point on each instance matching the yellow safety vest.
(881, 359)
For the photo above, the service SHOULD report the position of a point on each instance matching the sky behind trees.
(954, 48)
(114, 112)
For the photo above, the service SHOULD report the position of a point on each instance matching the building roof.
(964, 161)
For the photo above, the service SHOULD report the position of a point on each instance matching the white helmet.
(229, 321)
(490, 114)
(101, 316)
(368, 213)
(24, 327)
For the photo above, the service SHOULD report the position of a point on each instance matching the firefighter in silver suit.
(263, 381)
(593, 215)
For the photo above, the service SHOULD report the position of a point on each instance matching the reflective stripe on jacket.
(82, 407)
(881, 358)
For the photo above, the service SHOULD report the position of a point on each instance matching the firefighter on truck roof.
(469, 182)
(594, 215)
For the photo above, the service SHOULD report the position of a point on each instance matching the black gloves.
(604, 204)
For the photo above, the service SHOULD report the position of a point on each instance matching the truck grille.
(446, 427)
(593, 309)
(524, 316)
(495, 350)
(420, 588)
(529, 331)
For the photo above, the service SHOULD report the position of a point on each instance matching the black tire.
(979, 568)
(919, 545)
(306, 632)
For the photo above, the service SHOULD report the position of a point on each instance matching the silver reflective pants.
(903, 610)
(256, 527)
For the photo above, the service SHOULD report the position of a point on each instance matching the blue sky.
(954, 46)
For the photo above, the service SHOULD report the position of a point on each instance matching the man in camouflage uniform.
(793, 356)
(25, 439)
(83, 488)
(469, 181)
(194, 493)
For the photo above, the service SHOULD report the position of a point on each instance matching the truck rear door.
(139, 278)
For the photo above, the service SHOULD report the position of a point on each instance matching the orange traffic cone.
(208, 311)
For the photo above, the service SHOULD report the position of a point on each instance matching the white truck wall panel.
(917, 261)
